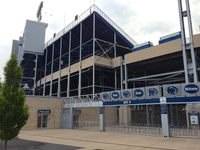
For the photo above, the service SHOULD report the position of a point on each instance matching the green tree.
(13, 111)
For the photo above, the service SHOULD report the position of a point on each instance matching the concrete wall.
(92, 114)
(35, 103)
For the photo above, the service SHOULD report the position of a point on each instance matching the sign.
(44, 111)
(194, 119)
(116, 95)
(163, 100)
(139, 93)
(191, 89)
(153, 92)
(127, 94)
(173, 90)
(105, 96)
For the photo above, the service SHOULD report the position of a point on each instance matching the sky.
(143, 20)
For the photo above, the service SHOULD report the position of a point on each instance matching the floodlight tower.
(39, 12)
(189, 59)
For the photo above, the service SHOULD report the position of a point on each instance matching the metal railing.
(134, 129)
(83, 16)
(83, 99)
(86, 125)
(180, 132)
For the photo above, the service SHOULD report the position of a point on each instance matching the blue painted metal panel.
(173, 100)
(178, 36)
(142, 46)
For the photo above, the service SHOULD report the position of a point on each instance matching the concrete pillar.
(124, 115)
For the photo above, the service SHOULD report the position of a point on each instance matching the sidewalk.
(93, 140)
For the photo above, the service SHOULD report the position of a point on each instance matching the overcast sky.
(143, 20)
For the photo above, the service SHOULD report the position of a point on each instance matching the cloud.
(143, 20)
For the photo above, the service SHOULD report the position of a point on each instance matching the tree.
(13, 111)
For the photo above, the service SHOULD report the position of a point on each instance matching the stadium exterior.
(93, 75)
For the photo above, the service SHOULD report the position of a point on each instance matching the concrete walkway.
(93, 140)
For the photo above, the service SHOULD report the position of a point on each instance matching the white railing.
(83, 16)
(83, 99)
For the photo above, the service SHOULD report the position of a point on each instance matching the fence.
(135, 129)
(143, 130)
(180, 132)
(86, 125)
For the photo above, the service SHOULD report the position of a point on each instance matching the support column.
(60, 63)
(126, 76)
(183, 40)
(93, 70)
(187, 45)
(36, 66)
(80, 63)
(121, 72)
(191, 42)
(101, 119)
(51, 82)
(115, 55)
(45, 69)
(69, 66)
(124, 115)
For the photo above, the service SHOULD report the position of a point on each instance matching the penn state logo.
(115, 95)
(172, 90)
(191, 88)
(126, 94)
(106, 96)
(138, 93)
(152, 91)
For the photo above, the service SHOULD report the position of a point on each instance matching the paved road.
(31, 145)
(93, 140)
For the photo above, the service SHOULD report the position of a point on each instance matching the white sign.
(163, 100)
(194, 119)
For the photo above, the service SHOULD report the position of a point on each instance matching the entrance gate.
(190, 130)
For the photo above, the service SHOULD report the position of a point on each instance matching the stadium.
(92, 75)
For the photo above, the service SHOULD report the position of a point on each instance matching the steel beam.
(45, 74)
(153, 76)
(93, 70)
(60, 63)
(183, 40)
(69, 66)
(35, 69)
(51, 82)
(80, 62)
(191, 41)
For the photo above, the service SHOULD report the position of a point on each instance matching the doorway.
(42, 119)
